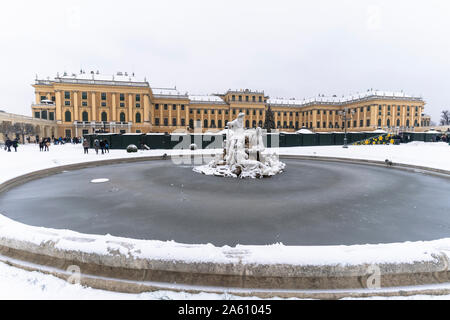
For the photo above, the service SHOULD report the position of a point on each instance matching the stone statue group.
(243, 154)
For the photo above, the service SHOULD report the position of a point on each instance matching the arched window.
(138, 117)
(247, 123)
(205, 123)
(388, 123)
(104, 116)
(67, 116)
(260, 124)
(398, 122)
(336, 125)
(379, 122)
(122, 117)
(191, 123)
(407, 123)
(85, 116)
(254, 123)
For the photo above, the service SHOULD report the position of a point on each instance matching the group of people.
(11, 143)
(44, 144)
(102, 145)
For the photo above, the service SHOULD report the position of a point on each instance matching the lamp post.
(346, 115)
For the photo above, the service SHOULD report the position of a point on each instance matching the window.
(138, 98)
(85, 116)
(53, 98)
(368, 123)
(84, 95)
(219, 111)
(361, 123)
(253, 98)
(84, 103)
(240, 98)
(233, 98)
(156, 106)
(43, 98)
(191, 123)
(205, 123)
(138, 131)
(354, 123)
(219, 123)
(212, 111)
(398, 122)
(318, 124)
(104, 116)
(246, 98)
(122, 105)
(122, 97)
(174, 107)
(66, 95)
(103, 104)
(103, 96)
(166, 121)
(67, 103)
(254, 124)
(182, 107)
(213, 123)
(379, 122)
(368, 108)
(138, 117)
(247, 123)
(156, 121)
(174, 122)
(260, 99)
(138, 105)
(388, 122)
(407, 123)
(165, 107)
(183, 122)
(67, 116)
(44, 114)
(122, 117)
(37, 114)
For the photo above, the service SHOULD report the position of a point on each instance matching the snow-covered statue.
(243, 155)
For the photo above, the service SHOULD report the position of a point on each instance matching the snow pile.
(243, 155)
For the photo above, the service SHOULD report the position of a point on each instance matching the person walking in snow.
(15, 144)
(8, 143)
(86, 146)
(106, 146)
(96, 145)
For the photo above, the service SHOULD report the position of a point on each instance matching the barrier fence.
(204, 141)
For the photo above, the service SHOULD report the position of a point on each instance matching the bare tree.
(23, 129)
(445, 118)
(6, 128)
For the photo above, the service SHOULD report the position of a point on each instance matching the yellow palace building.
(90, 102)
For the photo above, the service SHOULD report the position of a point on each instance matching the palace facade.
(90, 102)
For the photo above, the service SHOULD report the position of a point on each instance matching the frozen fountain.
(243, 155)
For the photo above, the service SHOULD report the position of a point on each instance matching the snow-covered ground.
(16, 283)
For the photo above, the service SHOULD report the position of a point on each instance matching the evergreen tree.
(269, 123)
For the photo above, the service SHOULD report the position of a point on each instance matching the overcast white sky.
(287, 48)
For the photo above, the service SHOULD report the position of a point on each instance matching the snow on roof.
(118, 77)
(345, 99)
(171, 92)
(305, 131)
(206, 98)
